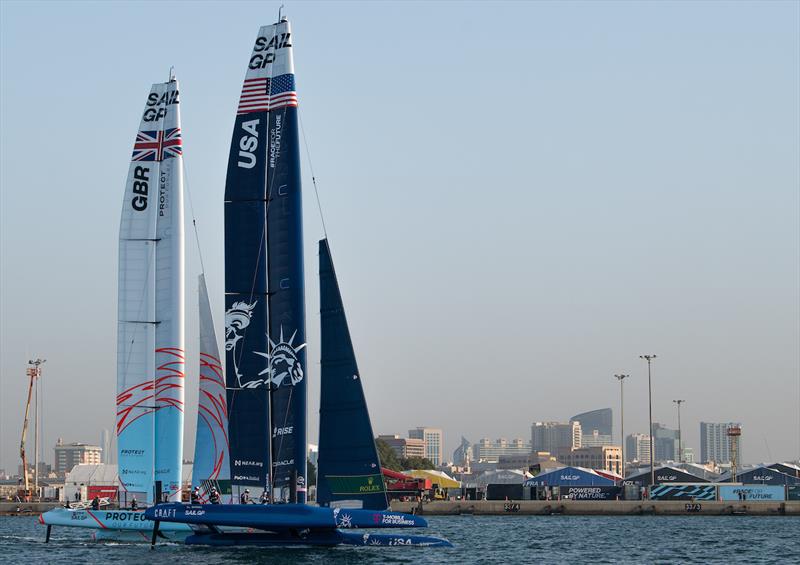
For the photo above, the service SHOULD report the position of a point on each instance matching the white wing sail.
(150, 347)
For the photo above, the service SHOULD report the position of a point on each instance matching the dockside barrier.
(598, 507)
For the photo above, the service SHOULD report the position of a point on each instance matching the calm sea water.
(478, 539)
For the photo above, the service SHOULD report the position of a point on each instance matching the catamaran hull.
(280, 517)
(141, 536)
(291, 525)
(325, 538)
(125, 525)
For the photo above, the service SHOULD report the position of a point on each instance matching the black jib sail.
(349, 468)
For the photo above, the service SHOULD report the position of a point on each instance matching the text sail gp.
(264, 283)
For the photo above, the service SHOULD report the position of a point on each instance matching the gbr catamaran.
(150, 346)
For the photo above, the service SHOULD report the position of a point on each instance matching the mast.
(348, 463)
(264, 287)
(286, 282)
(150, 336)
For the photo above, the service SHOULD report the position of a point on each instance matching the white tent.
(104, 474)
(85, 475)
(503, 477)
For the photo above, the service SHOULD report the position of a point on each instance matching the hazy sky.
(521, 198)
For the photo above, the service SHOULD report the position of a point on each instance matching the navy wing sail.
(246, 298)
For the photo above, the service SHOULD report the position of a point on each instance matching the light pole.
(680, 444)
(621, 378)
(649, 358)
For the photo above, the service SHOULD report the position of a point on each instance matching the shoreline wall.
(598, 507)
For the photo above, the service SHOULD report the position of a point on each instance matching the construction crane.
(33, 373)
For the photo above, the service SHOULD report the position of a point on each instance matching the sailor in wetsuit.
(245, 497)
(195, 496)
(213, 496)
(264, 498)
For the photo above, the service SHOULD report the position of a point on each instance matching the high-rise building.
(714, 442)
(105, 445)
(552, 436)
(596, 427)
(637, 448)
(666, 440)
(463, 455)
(434, 443)
(313, 454)
(490, 451)
(70, 454)
(404, 447)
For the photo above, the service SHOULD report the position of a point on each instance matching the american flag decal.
(157, 145)
(263, 94)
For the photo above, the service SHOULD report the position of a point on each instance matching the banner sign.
(355, 484)
(590, 493)
(683, 492)
(751, 492)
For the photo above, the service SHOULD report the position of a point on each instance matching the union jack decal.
(157, 145)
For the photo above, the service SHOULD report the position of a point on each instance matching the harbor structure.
(434, 443)
(714, 443)
(553, 436)
(664, 474)
(761, 475)
(787, 467)
(569, 476)
(596, 427)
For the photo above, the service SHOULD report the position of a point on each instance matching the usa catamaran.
(265, 347)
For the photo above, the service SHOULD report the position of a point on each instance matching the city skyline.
(493, 446)
(635, 190)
